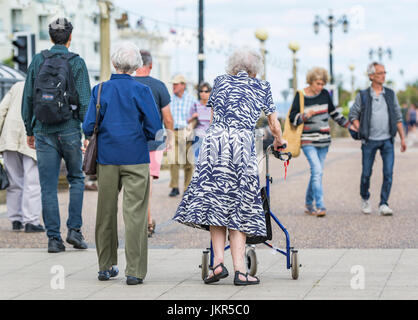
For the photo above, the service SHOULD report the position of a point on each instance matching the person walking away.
(377, 117)
(181, 102)
(224, 194)
(23, 198)
(53, 107)
(128, 120)
(202, 114)
(412, 119)
(156, 147)
(316, 137)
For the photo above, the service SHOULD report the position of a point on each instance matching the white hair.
(371, 68)
(245, 59)
(126, 57)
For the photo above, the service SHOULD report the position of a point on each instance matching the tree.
(409, 95)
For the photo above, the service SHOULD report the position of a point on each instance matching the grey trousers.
(135, 182)
(24, 192)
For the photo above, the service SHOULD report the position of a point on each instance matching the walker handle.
(283, 156)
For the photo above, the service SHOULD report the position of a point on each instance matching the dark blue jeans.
(387, 153)
(50, 149)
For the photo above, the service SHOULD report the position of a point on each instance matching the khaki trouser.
(135, 182)
(181, 154)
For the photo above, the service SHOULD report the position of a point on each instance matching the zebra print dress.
(225, 188)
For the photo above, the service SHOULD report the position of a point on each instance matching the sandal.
(151, 228)
(239, 282)
(216, 277)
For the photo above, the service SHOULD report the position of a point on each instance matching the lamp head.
(261, 34)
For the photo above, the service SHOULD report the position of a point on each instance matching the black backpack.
(55, 96)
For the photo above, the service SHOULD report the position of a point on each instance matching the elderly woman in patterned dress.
(224, 193)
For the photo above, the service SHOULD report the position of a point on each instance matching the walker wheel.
(251, 262)
(205, 264)
(295, 264)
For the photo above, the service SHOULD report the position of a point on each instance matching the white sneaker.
(385, 210)
(366, 208)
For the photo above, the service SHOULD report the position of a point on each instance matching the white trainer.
(385, 210)
(366, 208)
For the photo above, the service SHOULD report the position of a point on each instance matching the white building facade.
(35, 15)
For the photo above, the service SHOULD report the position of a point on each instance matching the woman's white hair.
(126, 57)
(245, 59)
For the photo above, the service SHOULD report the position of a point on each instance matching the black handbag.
(4, 180)
(90, 156)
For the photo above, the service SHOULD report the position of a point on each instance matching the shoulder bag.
(90, 156)
(292, 134)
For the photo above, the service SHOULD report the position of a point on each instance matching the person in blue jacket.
(128, 120)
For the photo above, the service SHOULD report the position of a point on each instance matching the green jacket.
(82, 84)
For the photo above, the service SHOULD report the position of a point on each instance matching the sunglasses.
(205, 91)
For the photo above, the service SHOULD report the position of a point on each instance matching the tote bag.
(292, 134)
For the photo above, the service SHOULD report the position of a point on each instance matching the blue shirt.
(128, 120)
(180, 108)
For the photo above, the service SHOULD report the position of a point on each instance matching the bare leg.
(218, 237)
(149, 202)
(237, 241)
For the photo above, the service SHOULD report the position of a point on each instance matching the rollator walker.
(251, 257)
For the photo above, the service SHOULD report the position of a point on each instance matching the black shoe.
(174, 192)
(75, 238)
(17, 226)
(133, 280)
(55, 245)
(107, 274)
(31, 228)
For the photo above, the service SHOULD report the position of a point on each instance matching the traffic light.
(24, 50)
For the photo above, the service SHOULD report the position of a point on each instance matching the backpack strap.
(68, 56)
(47, 54)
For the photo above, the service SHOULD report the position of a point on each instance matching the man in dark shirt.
(162, 100)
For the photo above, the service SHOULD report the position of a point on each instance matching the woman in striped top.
(316, 136)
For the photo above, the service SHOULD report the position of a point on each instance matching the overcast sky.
(231, 24)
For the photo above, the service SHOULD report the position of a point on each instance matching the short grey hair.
(245, 59)
(146, 57)
(126, 57)
(371, 68)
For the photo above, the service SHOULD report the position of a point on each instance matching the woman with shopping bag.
(308, 120)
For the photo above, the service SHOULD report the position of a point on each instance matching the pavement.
(346, 255)
(333, 274)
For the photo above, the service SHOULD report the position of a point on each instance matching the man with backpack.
(377, 116)
(55, 100)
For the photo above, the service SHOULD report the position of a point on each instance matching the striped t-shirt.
(316, 130)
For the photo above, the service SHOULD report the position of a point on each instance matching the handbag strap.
(301, 101)
(98, 108)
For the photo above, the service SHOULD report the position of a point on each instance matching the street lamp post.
(262, 35)
(380, 52)
(294, 47)
(331, 24)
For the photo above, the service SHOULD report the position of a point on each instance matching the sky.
(231, 24)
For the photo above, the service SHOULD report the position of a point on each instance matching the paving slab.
(174, 274)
